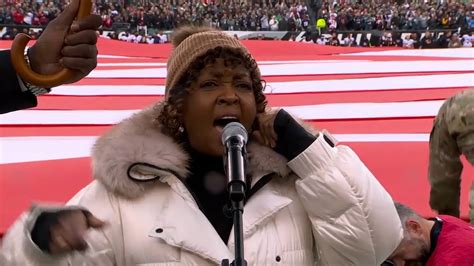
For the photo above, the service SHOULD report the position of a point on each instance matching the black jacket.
(11, 96)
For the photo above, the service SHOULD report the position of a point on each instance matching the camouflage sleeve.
(445, 167)
(452, 135)
(460, 119)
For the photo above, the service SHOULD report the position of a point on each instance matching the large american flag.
(379, 101)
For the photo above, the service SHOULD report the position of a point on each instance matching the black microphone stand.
(236, 189)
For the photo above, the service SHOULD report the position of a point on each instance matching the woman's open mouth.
(221, 122)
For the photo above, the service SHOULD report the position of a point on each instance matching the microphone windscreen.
(233, 129)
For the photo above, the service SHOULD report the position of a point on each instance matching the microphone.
(234, 138)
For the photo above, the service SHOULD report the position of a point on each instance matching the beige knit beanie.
(190, 43)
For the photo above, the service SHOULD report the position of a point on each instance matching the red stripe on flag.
(121, 81)
(367, 126)
(33, 181)
(128, 102)
(132, 102)
(23, 184)
(60, 130)
(360, 96)
(335, 59)
(161, 81)
(355, 76)
(374, 126)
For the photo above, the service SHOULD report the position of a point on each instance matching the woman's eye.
(208, 85)
(244, 86)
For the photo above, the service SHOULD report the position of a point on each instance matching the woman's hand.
(265, 132)
(67, 232)
(280, 131)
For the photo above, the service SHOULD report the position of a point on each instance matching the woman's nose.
(228, 95)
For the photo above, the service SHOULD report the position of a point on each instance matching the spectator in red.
(107, 21)
(18, 16)
(443, 241)
(43, 19)
(36, 20)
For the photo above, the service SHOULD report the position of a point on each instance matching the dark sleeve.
(11, 96)
(40, 233)
(293, 139)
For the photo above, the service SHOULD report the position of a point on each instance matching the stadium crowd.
(166, 15)
(426, 40)
(146, 20)
(399, 15)
(287, 15)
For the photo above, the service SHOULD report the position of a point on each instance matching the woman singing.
(159, 195)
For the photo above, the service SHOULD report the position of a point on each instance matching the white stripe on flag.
(368, 67)
(365, 110)
(457, 53)
(96, 90)
(48, 117)
(325, 68)
(120, 57)
(405, 137)
(30, 149)
(374, 84)
(158, 64)
(130, 64)
(307, 112)
(341, 85)
(308, 61)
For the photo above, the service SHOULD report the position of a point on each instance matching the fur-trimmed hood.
(139, 140)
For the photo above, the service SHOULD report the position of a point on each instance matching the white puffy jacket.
(322, 208)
